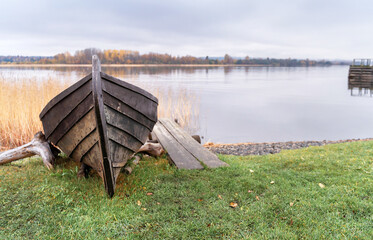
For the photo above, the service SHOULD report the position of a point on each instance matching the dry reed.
(22, 99)
(21, 102)
(180, 105)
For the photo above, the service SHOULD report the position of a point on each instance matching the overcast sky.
(316, 29)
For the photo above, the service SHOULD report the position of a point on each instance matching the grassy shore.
(313, 193)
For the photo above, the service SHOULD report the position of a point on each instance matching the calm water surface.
(249, 104)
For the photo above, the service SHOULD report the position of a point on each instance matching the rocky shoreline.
(243, 149)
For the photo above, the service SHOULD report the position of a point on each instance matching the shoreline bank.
(133, 65)
(243, 149)
(150, 65)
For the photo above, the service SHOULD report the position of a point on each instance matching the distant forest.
(134, 57)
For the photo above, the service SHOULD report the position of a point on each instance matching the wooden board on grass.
(184, 151)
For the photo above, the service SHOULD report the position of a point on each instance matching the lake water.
(246, 104)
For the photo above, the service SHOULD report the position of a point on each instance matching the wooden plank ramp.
(184, 151)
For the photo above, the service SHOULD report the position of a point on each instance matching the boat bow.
(100, 121)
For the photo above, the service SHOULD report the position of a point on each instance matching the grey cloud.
(288, 28)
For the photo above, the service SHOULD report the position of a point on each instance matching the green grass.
(37, 203)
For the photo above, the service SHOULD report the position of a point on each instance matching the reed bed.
(22, 99)
(182, 106)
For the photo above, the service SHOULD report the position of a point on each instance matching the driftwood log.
(38, 146)
(151, 148)
(132, 164)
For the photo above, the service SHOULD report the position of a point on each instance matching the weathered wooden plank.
(64, 94)
(76, 134)
(71, 119)
(119, 157)
(129, 86)
(126, 124)
(192, 146)
(128, 111)
(93, 158)
(178, 154)
(360, 76)
(119, 154)
(132, 99)
(123, 138)
(63, 108)
(84, 146)
(116, 172)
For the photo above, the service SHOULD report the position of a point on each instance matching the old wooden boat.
(100, 121)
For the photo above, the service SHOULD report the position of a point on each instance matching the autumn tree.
(227, 59)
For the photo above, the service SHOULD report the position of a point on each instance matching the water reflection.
(73, 71)
(138, 70)
(228, 70)
(119, 70)
(234, 104)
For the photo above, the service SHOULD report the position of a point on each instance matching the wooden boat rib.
(100, 121)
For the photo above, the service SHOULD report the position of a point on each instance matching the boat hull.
(100, 121)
